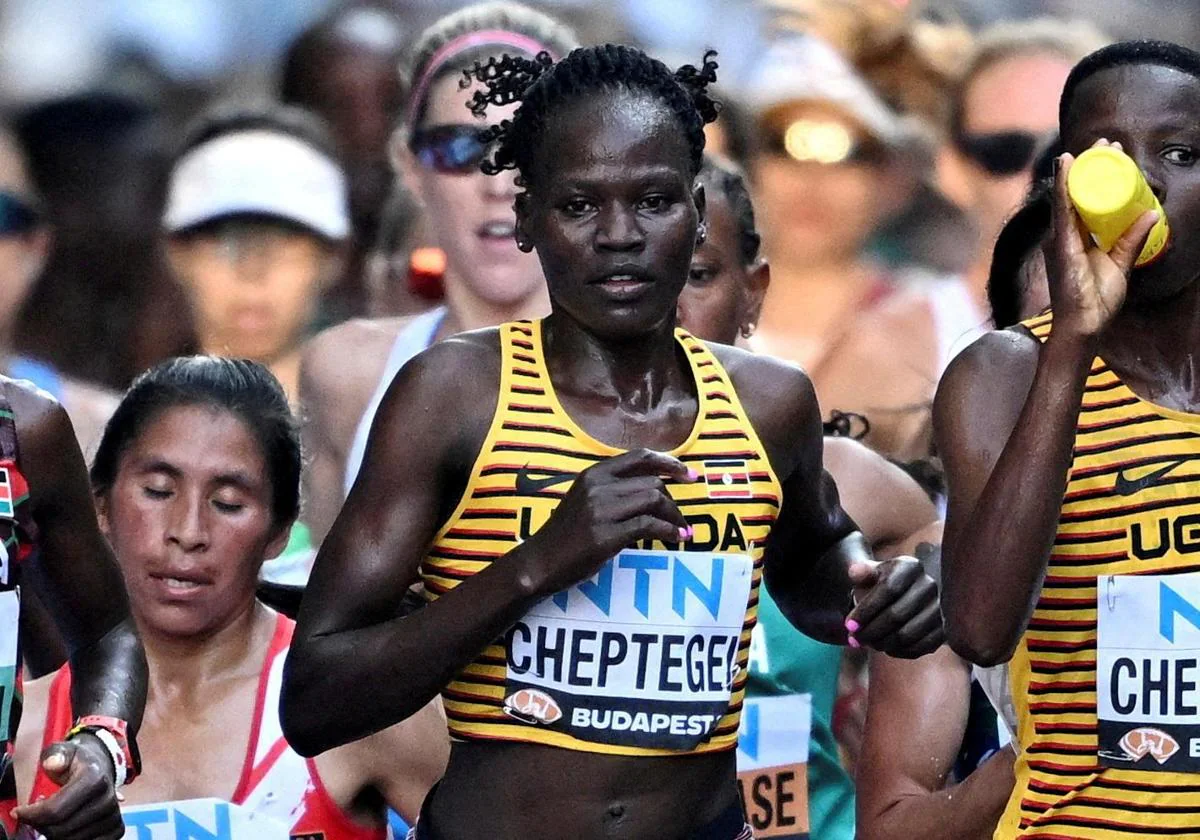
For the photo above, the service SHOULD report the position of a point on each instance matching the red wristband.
(119, 729)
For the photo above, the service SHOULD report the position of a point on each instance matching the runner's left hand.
(897, 609)
(86, 806)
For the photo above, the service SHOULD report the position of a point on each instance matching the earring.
(524, 246)
(748, 329)
(701, 233)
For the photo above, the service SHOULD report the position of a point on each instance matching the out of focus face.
(819, 180)
(22, 238)
(189, 518)
(1009, 103)
(358, 92)
(714, 304)
(254, 284)
(471, 214)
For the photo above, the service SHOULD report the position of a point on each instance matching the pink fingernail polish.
(684, 533)
(851, 625)
(692, 474)
(853, 642)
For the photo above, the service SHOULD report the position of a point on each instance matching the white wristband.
(115, 752)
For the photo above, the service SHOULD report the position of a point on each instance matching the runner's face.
(189, 517)
(255, 285)
(471, 214)
(712, 304)
(612, 214)
(1154, 113)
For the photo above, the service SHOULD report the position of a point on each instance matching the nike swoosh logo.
(1126, 486)
(527, 485)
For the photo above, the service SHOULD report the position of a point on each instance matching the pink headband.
(463, 43)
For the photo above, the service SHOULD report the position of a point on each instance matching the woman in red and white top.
(197, 483)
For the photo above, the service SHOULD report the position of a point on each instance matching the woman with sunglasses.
(834, 163)
(487, 279)
(197, 481)
(591, 501)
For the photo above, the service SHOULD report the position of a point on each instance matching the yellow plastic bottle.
(1110, 193)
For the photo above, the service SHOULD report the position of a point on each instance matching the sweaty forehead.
(1128, 98)
(612, 130)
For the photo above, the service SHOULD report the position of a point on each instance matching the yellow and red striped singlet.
(648, 657)
(1130, 523)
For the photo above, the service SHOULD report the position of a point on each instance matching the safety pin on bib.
(1109, 596)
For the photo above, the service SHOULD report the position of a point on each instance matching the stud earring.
(748, 329)
(701, 233)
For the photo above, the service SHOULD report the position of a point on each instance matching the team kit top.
(649, 656)
(279, 794)
(18, 539)
(1106, 680)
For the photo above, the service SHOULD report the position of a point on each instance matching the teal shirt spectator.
(784, 662)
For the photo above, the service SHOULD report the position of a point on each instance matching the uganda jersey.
(1105, 678)
(649, 656)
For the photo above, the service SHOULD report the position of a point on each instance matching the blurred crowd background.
(886, 143)
(97, 94)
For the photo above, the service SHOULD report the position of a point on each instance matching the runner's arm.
(816, 561)
(405, 760)
(324, 460)
(885, 501)
(74, 571)
(916, 719)
(1004, 419)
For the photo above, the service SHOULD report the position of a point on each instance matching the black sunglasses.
(1001, 152)
(17, 216)
(449, 149)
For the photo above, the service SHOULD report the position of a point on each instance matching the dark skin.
(1007, 409)
(901, 782)
(614, 226)
(75, 575)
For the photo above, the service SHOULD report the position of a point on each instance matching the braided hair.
(540, 85)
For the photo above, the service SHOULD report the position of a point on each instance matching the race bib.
(199, 819)
(644, 654)
(1148, 672)
(10, 618)
(772, 764)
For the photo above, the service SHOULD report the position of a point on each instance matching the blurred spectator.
(469, 215)
(24, 239)
(105, 307)
(256, 219)
(1006, 112)
(833, 163)
(346, 69)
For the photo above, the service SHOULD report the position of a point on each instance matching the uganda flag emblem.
(727, 478)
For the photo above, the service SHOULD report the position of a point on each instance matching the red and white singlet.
(276, 781)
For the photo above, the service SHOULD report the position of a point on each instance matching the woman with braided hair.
(591, 501)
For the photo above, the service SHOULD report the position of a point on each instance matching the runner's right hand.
(611, 505)
(1087, 285)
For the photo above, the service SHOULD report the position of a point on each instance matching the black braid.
(540, 85)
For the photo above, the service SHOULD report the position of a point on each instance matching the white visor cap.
(259, 172)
